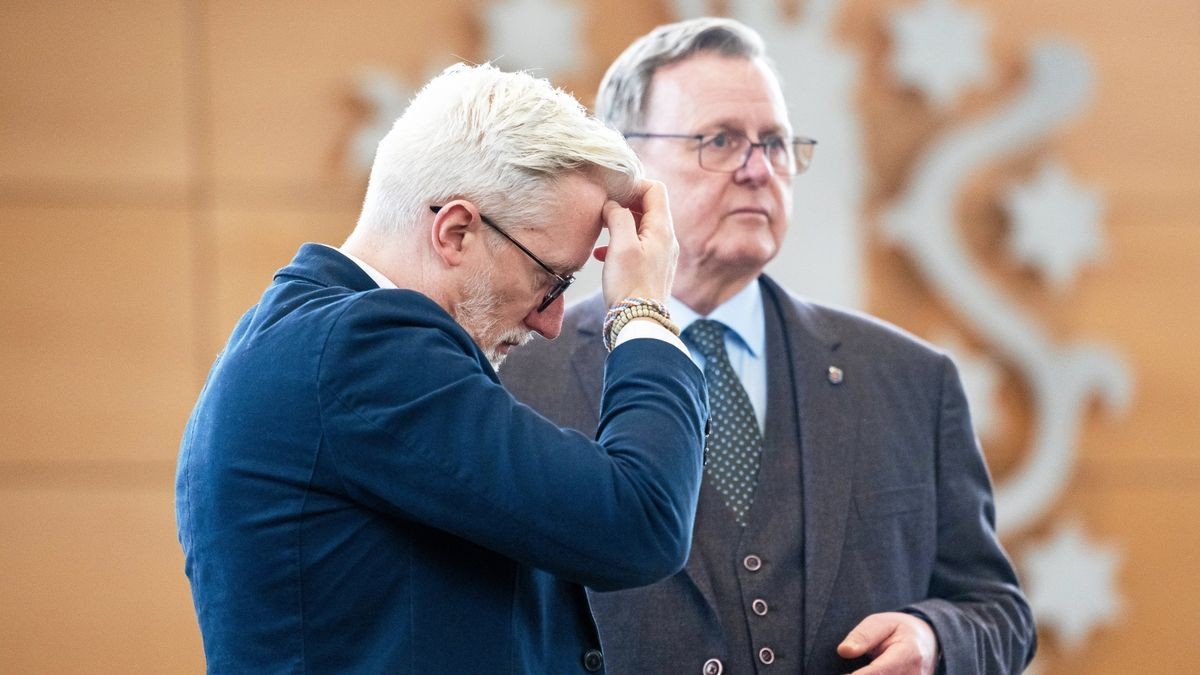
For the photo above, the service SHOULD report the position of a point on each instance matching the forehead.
(709, 90)
(572, 222)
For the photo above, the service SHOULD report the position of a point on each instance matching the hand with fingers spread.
(639, 260)
(897, 643)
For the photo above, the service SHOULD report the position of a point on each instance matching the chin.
(750, 257)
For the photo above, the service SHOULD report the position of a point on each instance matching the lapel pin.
(835, 375)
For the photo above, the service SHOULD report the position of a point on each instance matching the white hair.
(500, 140)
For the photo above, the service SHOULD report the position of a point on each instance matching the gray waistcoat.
(742, 590)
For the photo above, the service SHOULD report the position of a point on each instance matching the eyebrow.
(729, 125)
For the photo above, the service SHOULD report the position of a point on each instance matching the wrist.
(622, 312)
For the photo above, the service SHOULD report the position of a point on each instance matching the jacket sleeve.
(982, 621)
(419, 428)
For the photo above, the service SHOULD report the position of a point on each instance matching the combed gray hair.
(499, 139)
(620, 101)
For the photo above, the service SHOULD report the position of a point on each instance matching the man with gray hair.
(845, 520)
(356, 492)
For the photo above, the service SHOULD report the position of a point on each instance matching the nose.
(756, 170)
(547, 323)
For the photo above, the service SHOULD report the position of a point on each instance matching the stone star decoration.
(940, 49)
(1071, 584)
(545, 36)
(1055, 224)
(386, 98)
(980, 377)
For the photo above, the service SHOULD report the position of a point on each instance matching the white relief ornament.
(385, 98)
(1063, 378)
(544, 36)
(1055, 225)
(940, 49)
(1071, 584)
(980, 376)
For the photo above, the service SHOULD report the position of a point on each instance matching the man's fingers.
(639, 192)
(865, 636)
(892, 660)
(897, 642)
(619, 222)
(656, 206)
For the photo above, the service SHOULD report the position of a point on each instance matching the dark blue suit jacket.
(357, 493)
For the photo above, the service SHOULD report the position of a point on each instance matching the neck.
(395, 258)
(705, 291)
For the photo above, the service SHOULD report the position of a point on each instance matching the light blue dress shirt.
(745, 341)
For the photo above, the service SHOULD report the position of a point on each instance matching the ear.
(452, 231)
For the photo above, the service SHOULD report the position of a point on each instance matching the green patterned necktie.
(735, 445)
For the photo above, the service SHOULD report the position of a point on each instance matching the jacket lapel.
(827, 442)
(588, 355)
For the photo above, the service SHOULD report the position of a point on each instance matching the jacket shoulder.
(854, 331)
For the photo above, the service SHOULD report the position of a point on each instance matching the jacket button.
(593, 660)
(766, 655)
(752, 563)
(713, 667)
(759, 606)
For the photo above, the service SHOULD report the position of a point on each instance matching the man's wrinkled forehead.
(716, 102)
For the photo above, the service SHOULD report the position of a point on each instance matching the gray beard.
(479, 315)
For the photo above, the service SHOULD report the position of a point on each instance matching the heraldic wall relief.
(1015, 182)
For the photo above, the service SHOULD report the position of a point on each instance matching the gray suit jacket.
(897, 501)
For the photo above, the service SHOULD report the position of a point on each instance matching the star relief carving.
(545, 36)
(1055, 224)
(385, 98)
(940, 49)
(1071, 584)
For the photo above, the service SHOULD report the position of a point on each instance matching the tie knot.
(708, 336)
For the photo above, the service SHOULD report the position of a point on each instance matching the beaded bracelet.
(621, 313)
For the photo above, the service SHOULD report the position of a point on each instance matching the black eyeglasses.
(561, 283)
(729, 151)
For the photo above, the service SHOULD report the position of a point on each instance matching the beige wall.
(159, 160)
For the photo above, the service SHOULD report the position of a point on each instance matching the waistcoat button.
(713, 667)
(752, 563)
(766, 655)
(759, 606)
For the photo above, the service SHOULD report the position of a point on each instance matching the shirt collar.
(742, 314)
(375, 274)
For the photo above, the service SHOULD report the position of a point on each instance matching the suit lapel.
(827, 442)
(588, 355)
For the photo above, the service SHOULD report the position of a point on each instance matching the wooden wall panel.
(282, 76)
(1142, 303)
(252, 245)
(95, 100)
(97, 340)
(1141, 134)
(93, 579)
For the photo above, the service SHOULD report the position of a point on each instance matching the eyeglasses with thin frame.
(561, 283)
(729, 151)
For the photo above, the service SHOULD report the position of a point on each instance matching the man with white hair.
(357, 493)
(845, 521)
